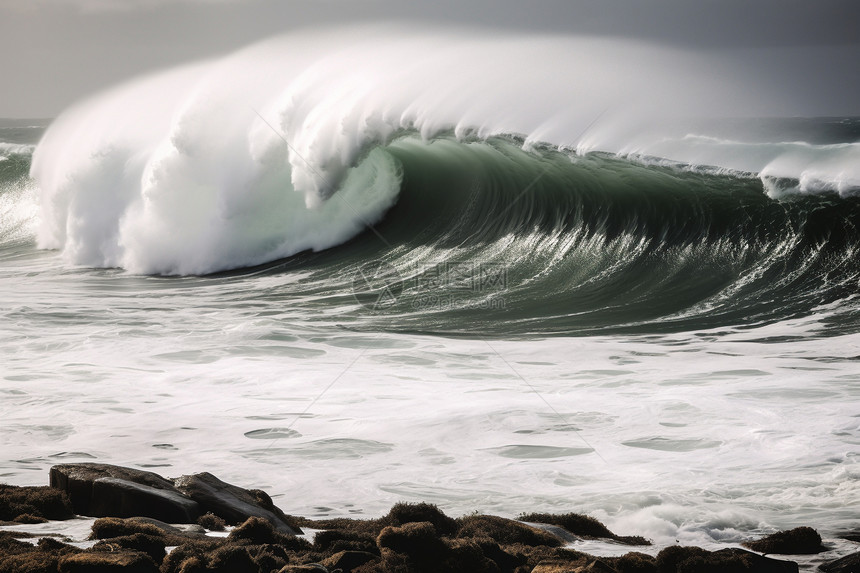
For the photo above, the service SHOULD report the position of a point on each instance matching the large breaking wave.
(577, 166)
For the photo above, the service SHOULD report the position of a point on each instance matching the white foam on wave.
(7, 149)
(244, 159)
(804, 167)
(705, 437)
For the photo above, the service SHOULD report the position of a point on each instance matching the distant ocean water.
(348, 288)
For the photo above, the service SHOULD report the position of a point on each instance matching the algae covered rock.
(797, 541)
(582, 526)
(403, 513)
(677, 559)
(123, 561)
(505, 531)
(31, 504)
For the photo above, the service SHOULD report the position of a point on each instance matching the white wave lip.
(279, 148)
(173, 175)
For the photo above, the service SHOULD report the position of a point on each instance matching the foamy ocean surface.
(349, 280)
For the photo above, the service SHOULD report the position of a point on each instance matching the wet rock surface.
(848, 564)
(410, 538)
(797, 541)
(231, 503)
(103, 490)
(694, 559)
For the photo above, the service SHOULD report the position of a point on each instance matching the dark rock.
(531, 555)
(13, 538)
(346, 561)
(183, 529)
(103, 490)
(504, 531)
(307, 568)
(112, 527)
(400, 514)
(411, 538)
(114, 562)
(582, 526)
(21, 557)
(33, 502)
(669, 558)
(578, 524)
(848, 564)
(109, 527)
(28, 519)
(677, 559)
(797, 541)
(712, 563)
(466, 556)
(506, 562)
(51, 544)
(120, 498)
(635, 563)
(30, 562)
(211, 522)
(258, 531)
(555, 566)
(149, 544)
(232, 559)
(225, 556)
(416, 547)
(251, 547)
(190, 565)
(335, 540)
(189, 557)
(403, 513)
(758, 563)
(418, 541)
(270, 557)
(562, 566)
(232, 503)
(263, 499)
(76, 479)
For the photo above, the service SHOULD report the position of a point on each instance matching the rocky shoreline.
(197, 523)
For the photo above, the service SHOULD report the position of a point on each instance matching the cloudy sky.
(53, 52)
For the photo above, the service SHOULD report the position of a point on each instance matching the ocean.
(356, 269)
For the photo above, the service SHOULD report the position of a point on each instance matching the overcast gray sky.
(53, 52)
